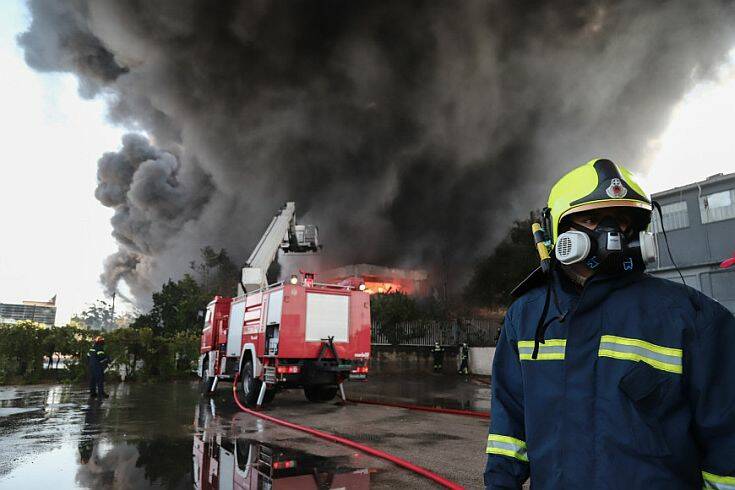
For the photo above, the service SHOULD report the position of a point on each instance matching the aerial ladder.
(284, 234)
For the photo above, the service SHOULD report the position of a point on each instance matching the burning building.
(379, 279)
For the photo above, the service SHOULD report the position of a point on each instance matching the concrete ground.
(165, 435)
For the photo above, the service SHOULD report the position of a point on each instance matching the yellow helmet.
(598, 183)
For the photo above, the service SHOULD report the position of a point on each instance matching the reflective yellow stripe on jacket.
(718, 482)
(550, 350)
(663, 358)
(507, 446)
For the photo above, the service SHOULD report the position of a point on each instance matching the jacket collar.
(600, 286)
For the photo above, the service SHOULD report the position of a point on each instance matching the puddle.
(438, 391)
(7, 411)
(222, 461)
(249, 463)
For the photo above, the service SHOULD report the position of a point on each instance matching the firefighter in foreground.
(605, 377)
(97, 363)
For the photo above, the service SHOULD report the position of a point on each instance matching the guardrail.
(477, 332)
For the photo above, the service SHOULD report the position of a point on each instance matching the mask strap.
(668, 249)
(543, 324)
(538, 337)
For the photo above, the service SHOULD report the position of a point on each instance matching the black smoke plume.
(411, 132)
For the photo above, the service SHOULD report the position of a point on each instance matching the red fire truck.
(292, 334)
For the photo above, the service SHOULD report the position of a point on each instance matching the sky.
(699, 140)
(55, 235)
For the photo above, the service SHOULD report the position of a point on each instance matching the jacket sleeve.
(102, 358)
(507, 459)
(710, 365)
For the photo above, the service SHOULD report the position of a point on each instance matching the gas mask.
(606, 248)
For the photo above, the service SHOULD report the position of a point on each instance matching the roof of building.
(359, 270)
(42, 304)
(712, 179)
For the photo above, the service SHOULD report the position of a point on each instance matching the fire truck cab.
(292, 334)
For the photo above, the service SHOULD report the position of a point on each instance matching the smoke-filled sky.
(410, 132)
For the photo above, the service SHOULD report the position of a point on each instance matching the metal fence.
(477, 332)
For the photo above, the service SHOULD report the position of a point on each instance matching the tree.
(218, 274)
(496, 275)
(97, 316)
(124, 319)
(175, 307)
(51, 341)
(21, 350)
(393, 308)
(166, 338)
(127, 346)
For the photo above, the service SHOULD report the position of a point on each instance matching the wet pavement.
(442, 391)
(167, 436)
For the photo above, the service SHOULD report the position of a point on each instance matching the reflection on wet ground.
(435, 390)
(242, 452)
(67, 440)
(166, 436)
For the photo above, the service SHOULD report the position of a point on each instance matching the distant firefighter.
(464, 356)
(438, 353)
(97, 364)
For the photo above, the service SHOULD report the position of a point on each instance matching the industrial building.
(699, 220)
(36, 311)
(380, 279)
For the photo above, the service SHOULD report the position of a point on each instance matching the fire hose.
(349, 443)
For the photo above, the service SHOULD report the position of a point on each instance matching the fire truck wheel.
(320, 393)
(249, 385)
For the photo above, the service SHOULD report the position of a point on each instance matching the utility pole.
(112, 313)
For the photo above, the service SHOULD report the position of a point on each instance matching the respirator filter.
(572, 247)
(647, 246)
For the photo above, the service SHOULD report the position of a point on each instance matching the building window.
(718, 206)
(676, 216)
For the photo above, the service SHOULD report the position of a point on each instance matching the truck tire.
(249, 385)
(205, 384)
(320, 393)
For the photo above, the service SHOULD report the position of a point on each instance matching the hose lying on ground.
(349, 443)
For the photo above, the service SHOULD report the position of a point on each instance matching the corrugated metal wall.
(478, 332)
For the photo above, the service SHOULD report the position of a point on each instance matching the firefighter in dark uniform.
(464, 356)
(97, 363)
(438, 353)
(606, 377)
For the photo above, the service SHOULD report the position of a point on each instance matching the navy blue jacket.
(97, 358)
(634, 389)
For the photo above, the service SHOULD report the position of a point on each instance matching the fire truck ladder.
(283, 233)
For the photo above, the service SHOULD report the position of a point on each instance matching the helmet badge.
(616, 190)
